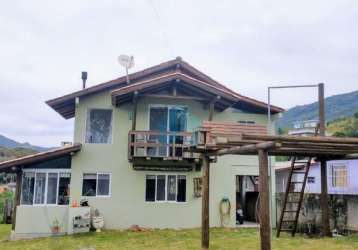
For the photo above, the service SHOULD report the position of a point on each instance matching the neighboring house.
(341, 183)
(128, 159)
(304, 128)
(341, 179)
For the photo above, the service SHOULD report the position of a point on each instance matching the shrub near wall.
(3, 197)
(310, 215)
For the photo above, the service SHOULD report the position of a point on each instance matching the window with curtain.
(45, 188)
(99, 126)
(52, 188)
(40, 188)
(28, 187)
(169, 188)
(96, 184)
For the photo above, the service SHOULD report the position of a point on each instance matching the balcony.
(154, 150)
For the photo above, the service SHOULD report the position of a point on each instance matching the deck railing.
(167, 145)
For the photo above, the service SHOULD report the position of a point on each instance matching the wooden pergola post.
(324, 199)
(134, 115)
(264, 201)
(205, 202)
(17, 197)
(324, 192)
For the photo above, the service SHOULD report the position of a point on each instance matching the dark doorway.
(246, 198)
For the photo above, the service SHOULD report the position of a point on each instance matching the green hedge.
(4, 196)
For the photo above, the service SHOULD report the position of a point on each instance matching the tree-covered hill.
(337, 106)
(344, 127)
(10, 143)
(12, 153)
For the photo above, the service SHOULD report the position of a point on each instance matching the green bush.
(3, 197)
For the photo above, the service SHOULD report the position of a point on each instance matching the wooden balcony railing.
(166, 145)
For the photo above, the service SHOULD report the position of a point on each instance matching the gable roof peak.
(65, 105)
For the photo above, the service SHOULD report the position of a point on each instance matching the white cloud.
(247, 45)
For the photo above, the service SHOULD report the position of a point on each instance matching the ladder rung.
(298, 172)
(288, 221)
(297, 182)
(290, 211)
(286, 229)
(298, 168)
(292, 202)
(301, 161)
(300, 165)
(294, 192)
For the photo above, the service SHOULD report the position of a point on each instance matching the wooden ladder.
(298, 167)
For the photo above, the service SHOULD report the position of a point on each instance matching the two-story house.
(130, 157)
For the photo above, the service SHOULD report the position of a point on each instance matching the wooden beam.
(134, 116)
(212, 107)
(322, 120)
(286, 138)
(251, 148)
(324, 193)
(16, 198)
(321, 145)
(320, 151)
(181, 97)
(265, 230)
(205, 202)
(324, 200)
(350, 157)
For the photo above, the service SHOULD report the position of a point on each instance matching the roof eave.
(15, 164)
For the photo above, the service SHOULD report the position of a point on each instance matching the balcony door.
(167, 120)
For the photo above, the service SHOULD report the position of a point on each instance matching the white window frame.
(86, 121)
(333, 176)
(109, 188)
(166, 188)
(169, 107)
(46, 171)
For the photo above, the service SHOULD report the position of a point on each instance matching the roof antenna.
(84, 79)
(127, 62)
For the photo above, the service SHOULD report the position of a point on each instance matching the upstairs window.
(161, 188)
(339, 176)
(99, 126)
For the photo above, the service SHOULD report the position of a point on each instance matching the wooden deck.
(214, 137)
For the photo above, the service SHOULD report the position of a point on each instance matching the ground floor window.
(96, 184)
(165, 187)
(50, 187)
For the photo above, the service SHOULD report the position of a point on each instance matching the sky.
(246, 45)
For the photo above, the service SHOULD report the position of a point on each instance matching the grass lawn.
(171, 239)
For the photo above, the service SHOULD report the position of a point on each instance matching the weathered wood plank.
(251, 148)
(205, 202)
(16, 198)
(265, 231)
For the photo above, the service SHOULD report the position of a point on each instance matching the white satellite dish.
(127, 62)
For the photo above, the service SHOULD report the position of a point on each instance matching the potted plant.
(55, 229)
